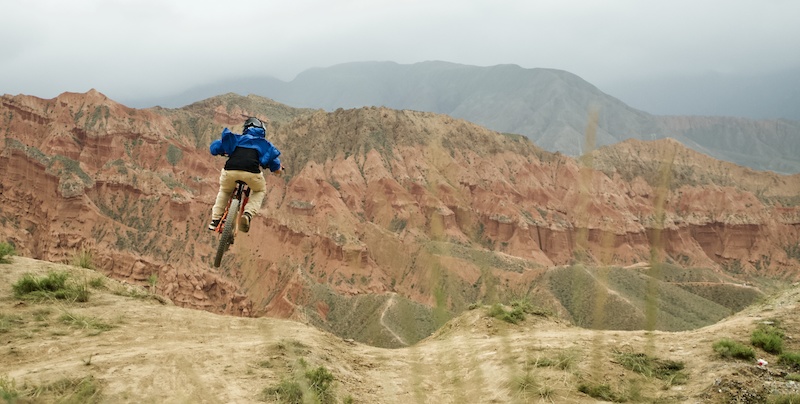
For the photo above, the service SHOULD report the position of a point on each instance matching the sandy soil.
(155, 352)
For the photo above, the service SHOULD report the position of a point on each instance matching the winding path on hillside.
(389, 304)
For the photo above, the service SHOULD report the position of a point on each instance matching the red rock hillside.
(375, 203)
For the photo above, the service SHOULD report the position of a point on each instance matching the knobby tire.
(227, 231)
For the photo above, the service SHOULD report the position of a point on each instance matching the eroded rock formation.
(375, 201)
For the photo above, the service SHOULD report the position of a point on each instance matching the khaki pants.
(227, 182)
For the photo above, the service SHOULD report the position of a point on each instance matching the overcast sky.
(148, 48)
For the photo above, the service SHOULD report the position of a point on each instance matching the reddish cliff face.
(375, 200)
(81, 172)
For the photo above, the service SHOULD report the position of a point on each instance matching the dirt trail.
(388, 306)
(162, 353)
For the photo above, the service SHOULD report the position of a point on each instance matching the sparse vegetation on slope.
(727, 348)
(603, 391)
(6, 250)
(315, 387)
(649, 366)
(517, 312)
(589, 293)
(84, 259)
(84, 390)
(474, 358)
(466, 201)
(769, 338)
(791, 359)
(52, 286)
(379, 320)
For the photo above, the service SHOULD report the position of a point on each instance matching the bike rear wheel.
(226, 239)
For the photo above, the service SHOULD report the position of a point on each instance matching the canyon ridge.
(388, 223)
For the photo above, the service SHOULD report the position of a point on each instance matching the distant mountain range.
(554, 108)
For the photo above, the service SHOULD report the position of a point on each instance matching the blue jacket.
(252, 138)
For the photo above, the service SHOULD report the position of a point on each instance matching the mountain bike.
(227, 226)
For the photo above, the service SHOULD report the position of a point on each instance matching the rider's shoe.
(244, 222)
(213, 225)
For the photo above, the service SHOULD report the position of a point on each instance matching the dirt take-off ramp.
(134, 348)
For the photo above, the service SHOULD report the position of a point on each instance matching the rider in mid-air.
(247, 154)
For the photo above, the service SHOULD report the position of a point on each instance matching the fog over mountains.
(552, 107)
(776, 95)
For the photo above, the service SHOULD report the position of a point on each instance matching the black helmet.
(253, 122)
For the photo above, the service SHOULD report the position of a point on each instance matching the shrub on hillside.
(6, 250)
(83, 259)
(287, 391)
(651, 366)
(768, 338)
(790, 359)
(319, 389)
(601, 391)
(792, 398)
(52, 286)
(727, 348)
(65, 390)
(320, 380)
(512, 316)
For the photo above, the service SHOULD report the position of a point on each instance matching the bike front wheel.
(226, 239)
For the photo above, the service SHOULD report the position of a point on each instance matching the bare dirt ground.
(136, 348)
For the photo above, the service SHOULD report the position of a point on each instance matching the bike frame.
(241, 192)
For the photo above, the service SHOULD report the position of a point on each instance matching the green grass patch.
(791, 359)
(512, 316)
(6, 250)
(793, 398)
(769, 338)
(9, 321)
(40, 322)
(83, 259)
(314, 387)
(601, 391)
(320, 380)
(664, 369)
(54, 285)
(9, 392)
(85, 390)
(174, 155)
(287, 391)
(525, 384)
(41, 314)
(564, 360)
(98, 282)
(727, 348)
(84, 322)
(519, 308)
(793, 250)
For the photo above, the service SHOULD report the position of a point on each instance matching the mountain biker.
(247, 154)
